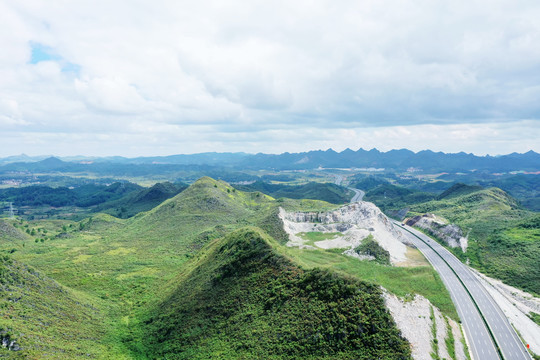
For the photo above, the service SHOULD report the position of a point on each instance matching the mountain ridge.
(394, 159)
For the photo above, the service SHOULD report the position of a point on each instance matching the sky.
(145, 78)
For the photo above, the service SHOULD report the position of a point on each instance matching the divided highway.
(358, 194)
(470, 298)
(462, 285)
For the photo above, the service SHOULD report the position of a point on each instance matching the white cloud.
(236, 74)
(112, 95)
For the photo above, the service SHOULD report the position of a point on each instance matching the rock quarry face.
(451, 234)
(355, 221)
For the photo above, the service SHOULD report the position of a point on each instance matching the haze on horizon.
(140, 79)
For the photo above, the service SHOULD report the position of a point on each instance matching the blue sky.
(139, 78)
(42, 52)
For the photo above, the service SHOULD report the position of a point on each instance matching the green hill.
(369, 182)
(459, 189)
(241, 299)
(142, 200)
(201, 208)
(499, 244)
(180, 251)
(8, 232)
(313, 190)
(390, 197)
(42, 318)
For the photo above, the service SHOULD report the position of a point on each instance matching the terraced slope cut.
(241, 299)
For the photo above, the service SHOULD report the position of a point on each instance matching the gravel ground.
(458, 337)
(413, 319)
(442, 334)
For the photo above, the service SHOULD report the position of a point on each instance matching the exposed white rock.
(442, 334)
(459, 349)
(356, 221)
(413, 319)
(451, 234)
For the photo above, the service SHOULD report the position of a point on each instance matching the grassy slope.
(125, 263)
(47, 319)
(142, 200)
(402, 281)
(261, 305)
(498, 245)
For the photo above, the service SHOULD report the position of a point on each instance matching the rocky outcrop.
(7, 342)
(355, 221)
(451, 234)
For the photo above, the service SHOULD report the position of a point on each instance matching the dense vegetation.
(128, 270)
(394, 198)
(504, 239)
(142, 200)
(121, 199)
(84, 196)
(372, 248)
(319, 191)
(260, 305)
(458, 189)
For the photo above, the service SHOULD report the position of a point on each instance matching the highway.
(358, 194)
(461, 288)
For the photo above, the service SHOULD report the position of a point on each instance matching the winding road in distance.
(470, 298)
(358, 194)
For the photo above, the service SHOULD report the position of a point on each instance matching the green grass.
(434, 342)
(535, 317)
(261, 305)
(46, 318)
(122, 267)
(402, 281)
(450, 346)
(312, 236)
(504, 239)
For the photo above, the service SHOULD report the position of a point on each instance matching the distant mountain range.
(403, 159)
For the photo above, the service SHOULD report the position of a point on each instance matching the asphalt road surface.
(479, 339)
(358, 194)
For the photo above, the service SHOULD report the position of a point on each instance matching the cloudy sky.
(143, 77)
